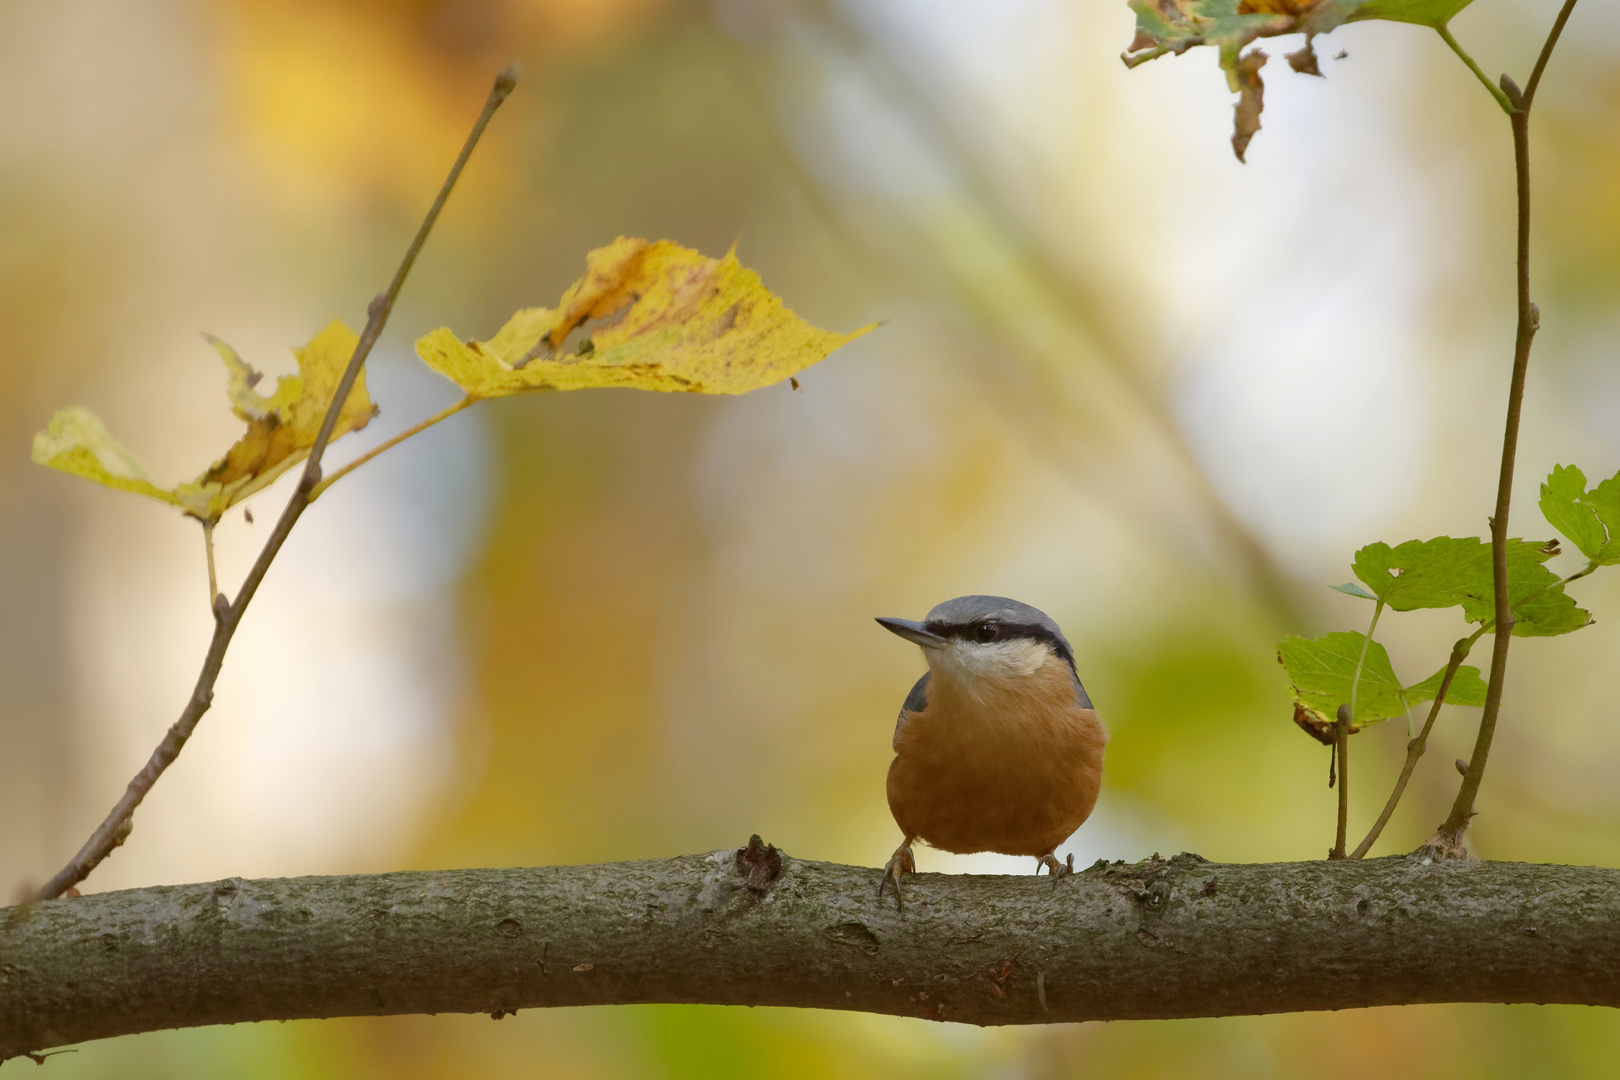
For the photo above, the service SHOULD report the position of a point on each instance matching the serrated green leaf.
(1433, 573)
(1541, 608)
(1448, 571)
(1552, 613)
(1605, 503)
(1466, 688)
(1350, 588)
(1563, 499)
(1435, 13)
(1321, 670)
(1591, 519)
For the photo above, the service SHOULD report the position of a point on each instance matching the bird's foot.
(901, 862)
(1057, 869)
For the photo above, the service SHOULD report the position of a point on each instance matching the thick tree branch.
(1154, 939)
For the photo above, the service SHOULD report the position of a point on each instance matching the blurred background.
(1159, 394)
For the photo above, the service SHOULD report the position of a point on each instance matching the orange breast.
(1013, 767)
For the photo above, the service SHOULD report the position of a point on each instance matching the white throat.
(970, 664)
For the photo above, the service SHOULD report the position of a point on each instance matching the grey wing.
(916, 701)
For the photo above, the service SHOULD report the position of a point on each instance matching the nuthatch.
(997, 747)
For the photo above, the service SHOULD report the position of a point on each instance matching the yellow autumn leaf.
(281, 430)
(77, 442)
(668, 318)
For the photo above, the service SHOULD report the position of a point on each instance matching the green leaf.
(1321, 669)
(1466, 688)
(1561, 504)
(1435, 13)
(1605, 503)
(1447, 571)
(1541, 608)
(1551, 613)
(1591, 520)
(1433, 573)
(1350, 588)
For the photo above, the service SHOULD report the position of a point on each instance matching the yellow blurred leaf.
(281, 430)
(669, 318)
(77, 442)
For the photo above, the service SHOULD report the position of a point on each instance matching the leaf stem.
(115, 828)
(1366, 643)
(1462, 54)
(208, 546)
(388, 444)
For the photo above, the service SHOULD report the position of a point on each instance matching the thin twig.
(116, 827)
(1450, 835)
(1416, 746)
(1462, 809)
(388, 444)
(1341, 748)
(1546, 53)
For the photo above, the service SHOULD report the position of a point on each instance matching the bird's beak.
(913, 631)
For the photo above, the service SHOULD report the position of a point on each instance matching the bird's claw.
(1056, 869)
(901, 862)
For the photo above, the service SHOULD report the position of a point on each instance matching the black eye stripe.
(1005, 631)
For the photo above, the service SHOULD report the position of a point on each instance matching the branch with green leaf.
(645, 315)
(1344, 682)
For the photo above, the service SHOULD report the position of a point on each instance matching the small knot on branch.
(761, 861)
(1515, 96)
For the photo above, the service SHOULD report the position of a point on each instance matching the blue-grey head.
(978, 637)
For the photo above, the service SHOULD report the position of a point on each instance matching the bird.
(998, 746)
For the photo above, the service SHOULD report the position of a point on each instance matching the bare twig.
(1462, 810)
(1416, 746)
(1546, 53)
(1450, 835)
(1341, 748)
(116, 827)
(388, 444)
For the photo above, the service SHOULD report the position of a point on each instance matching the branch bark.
(1154, 939)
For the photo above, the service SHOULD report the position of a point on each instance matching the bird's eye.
(985, 632)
